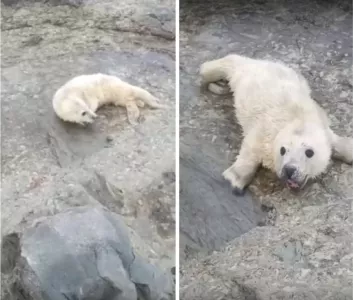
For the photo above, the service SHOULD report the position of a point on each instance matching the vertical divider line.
(177, 174)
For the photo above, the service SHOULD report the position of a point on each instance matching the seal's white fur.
(274, 107)
(77, 100)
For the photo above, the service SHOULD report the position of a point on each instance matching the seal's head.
(302, 151)
(76, 111)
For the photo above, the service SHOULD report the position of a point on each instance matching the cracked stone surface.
(270, 244)
(49, 166)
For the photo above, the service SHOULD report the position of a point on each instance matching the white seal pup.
(78, 100)
(284, 129)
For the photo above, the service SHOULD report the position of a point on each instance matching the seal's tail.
(147, 98)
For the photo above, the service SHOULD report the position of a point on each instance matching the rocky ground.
(48, 166)
(270, 244)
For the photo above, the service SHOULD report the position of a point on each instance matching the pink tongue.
(292, 184)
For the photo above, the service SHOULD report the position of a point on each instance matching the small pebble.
(109, 139)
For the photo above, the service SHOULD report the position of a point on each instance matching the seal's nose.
(289, 171)
(93, 115)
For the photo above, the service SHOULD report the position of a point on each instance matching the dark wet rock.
(10, 252)
(210, 213)
(84, 253)
(302, 248)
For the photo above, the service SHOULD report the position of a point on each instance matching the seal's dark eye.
(83, 113)
(309, 153)
(282, 151)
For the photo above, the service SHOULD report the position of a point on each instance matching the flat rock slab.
(292, 258)
(84, 253)
(311, 260)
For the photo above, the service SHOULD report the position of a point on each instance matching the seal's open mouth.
(292, 184)
(86, 123)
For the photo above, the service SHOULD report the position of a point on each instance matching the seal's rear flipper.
(146, 97)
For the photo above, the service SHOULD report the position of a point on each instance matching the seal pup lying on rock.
(78, 99)
(284, 129)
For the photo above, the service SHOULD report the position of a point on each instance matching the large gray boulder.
(83, 253)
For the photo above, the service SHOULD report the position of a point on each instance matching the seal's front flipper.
(140, 103)
(133, 113)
